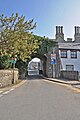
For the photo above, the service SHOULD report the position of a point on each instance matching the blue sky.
(47, 13)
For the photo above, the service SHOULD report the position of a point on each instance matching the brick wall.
(6, 77)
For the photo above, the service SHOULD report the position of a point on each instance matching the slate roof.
(69, 46)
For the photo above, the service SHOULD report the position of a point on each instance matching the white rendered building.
(69, 51)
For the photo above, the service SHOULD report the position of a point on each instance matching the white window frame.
(70, 67)
(63, 53)
(73, 54)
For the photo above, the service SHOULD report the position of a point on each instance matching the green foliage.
(22, 66)
(4, 62)
(16, 39)
(16, 36)
(45, 45)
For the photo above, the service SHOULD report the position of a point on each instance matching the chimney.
(77, 34)
(59, 32)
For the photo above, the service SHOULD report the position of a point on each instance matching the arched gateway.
(37, 65)
(41, 64)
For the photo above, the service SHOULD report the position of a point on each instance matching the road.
(38, 99)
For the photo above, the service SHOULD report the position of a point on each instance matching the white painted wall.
(70, 61)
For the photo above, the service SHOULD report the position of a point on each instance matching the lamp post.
(1, 38)
(13, 61)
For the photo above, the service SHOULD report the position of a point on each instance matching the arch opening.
(35, 66)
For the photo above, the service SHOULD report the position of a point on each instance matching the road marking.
(66, 85)
(11, 89)
(1, 95)
(5, 92)
(1, 91)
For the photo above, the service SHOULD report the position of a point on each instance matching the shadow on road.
(34, 77)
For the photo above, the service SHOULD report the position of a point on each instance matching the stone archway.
(50, 70)
(37, 65)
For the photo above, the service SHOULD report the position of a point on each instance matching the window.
(69, 67)
(63, 54)
(73, 54)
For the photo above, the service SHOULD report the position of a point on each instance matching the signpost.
(53, 62)
(53, 59)
(13, 62)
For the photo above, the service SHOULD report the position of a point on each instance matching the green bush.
(21, 66)
(4, 62)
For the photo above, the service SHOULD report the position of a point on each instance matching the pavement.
(73, 83)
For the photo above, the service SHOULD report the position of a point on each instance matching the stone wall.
(71, 75)
(49, 66)
(6, 77)
(53, 70)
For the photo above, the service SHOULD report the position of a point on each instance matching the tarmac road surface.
(38, 99)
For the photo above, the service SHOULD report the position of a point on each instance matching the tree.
(4, 62)
(45, 45)
(16, 36)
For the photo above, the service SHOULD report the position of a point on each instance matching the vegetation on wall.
(45, 45)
